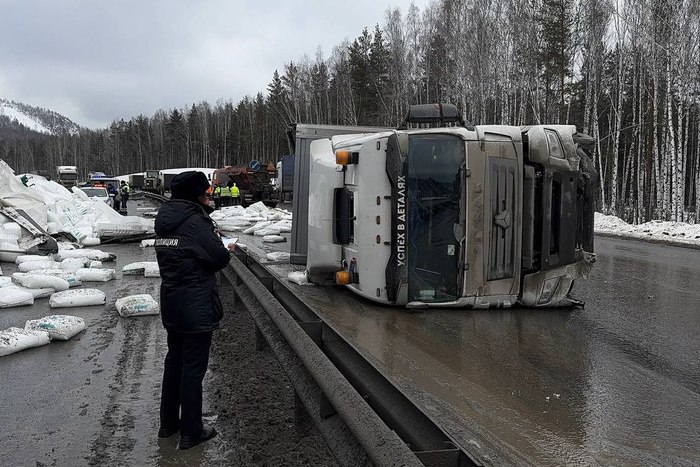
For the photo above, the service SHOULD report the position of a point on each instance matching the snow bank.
(655, 230)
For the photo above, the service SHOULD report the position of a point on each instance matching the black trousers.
(181, 396)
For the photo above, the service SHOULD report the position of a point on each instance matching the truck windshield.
(434, 198)
(68, 176)
(151, 174)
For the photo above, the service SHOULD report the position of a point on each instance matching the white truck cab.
(457, 216)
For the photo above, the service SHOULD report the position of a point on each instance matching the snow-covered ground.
(659, 231)
(8, 110)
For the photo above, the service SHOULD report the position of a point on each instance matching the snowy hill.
(13, 114)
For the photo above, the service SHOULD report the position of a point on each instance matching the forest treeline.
(624, 71)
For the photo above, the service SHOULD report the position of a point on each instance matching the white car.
(98, 192)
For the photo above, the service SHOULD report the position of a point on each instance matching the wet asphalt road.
(615, 383)
(90, 396)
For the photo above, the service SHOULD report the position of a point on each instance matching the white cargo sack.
(137, 268)
(73, 264)
(77, 297)
(258, 226)
(36, 293)
(40, 281)
(5, 281)
(96, 275)
(90, 241)
(152, 270)
(17, 339)
(59, 327)
(26, 258)
(34, 265)
(11, 296)
(278, 256)
(95, 255)
(137, 305)
(69, 276)
(298, 277)
(273, 239)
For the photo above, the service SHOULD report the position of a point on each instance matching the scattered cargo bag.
(96, 275)
(73, 264)
(267, 231)
(273, 239)
(40, 281)
(11, 296)
(25, 258)
(95, 255)
(17, 339)
(91, 241)
(95, 265)
(36, 293)
(5, 281)
(298, 277)
(137, 305)
(77, 297)
(278, 256)
(69, 276)
(33, 265)
(258, 226)
(152, 270)
(59, 327)
(138, 268)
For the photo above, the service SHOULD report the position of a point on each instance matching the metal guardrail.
(362, 416)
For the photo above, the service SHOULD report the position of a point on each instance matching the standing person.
(116, 197)
(235, 194)
(125, 189)
(189, 252)
(217, 197)
(226, 195)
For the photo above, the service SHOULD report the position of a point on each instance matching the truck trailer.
(454, 216)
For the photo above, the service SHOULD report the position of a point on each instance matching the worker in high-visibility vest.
(225, 195)
(235, 194)
(217, 197)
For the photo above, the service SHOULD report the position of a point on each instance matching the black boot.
(187, 442)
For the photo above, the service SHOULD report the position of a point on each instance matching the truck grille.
(502, 179)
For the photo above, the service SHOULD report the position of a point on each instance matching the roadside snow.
(662, 231)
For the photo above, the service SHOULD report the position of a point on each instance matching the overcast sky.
(96, 61)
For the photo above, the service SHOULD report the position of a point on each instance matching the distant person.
(189, 252)
(124, 189)
(235, 194)
(115, 195)
(217, 197)
(226, 195)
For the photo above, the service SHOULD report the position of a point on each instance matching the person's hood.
(175, 212)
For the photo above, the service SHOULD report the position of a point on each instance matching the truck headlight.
(550, 285)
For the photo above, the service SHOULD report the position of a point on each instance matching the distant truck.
(253, 181)
(284, 182)
(454, 216)
(67, 175)
(136, 181)
(152, 182)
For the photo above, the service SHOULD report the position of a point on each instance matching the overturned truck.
(453, 216)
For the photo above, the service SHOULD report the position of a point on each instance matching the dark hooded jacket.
(189, 252)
